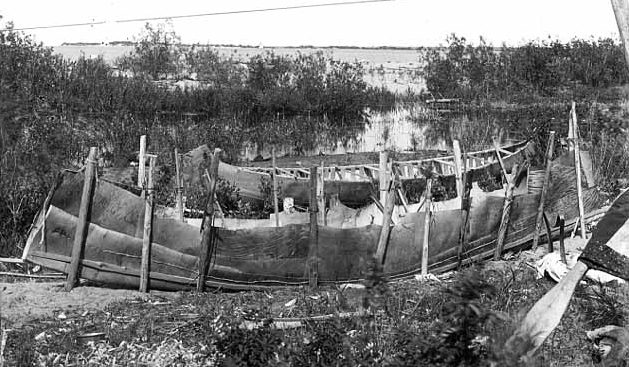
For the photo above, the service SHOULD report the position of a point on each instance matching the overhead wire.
(260, 10)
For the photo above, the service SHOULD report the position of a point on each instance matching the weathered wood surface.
(313, 251)
(148, 228)
(206, 247)
(78, 244)
(545, 184)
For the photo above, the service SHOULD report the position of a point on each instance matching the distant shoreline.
(129, 43)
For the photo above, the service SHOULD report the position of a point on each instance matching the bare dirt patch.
(22, 302)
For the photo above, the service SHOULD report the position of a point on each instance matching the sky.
(401, 23)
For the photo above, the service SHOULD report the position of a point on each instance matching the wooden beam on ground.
(207, 229)
(384, 179)
(545, 184)
(506, 208)
(82, 225)
(427, 218)
(313, 253)
(577, 165)
(148, 229)
(179, 183)
(276, 209)
(385, 231)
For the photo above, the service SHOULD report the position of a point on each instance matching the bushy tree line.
(52, 110)
(543, 68)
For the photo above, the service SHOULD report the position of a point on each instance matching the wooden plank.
(148, 229)
(11, 260)
(179, 183)
(577, 165)
(383, 239)
(207, 232)
(545, 184)
(621, 11)
(313, 252)
(276, 209)
(427, 218)
(83, 223)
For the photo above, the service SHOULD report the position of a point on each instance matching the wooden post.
(465, 210)
(383, 239)
(506, 208)
(321, 196)
(549, 234)
(427, 215)
(561, 222)
(207, 229)
(458, 164)
(148, 229)
(179, 183)
(542, 197)
(276, 209)
(142, 162)
(82, 223)
(313, 253)
(384, 179)
(577, 167)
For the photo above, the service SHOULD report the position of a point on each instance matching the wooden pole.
(384, 179)
(383, 239)
(82, 224)
(207, 229)
(466, 204)
(142, 162)
(502, 164)
(179, 185)
(313, 253)
(542, 197)
(577, 167)
(506, 208)
(276, 209)
(621, 10)
(458, 165)
(321, 196)
(549, 234)
(561, 222)
(148, 229)
(427, 215)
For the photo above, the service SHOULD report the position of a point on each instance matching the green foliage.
(543, 68)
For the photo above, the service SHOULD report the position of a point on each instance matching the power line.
(53, 26)
(254, 10)
(200, 15)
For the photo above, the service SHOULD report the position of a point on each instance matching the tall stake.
(621, 10)
(383, 239)
(384, 179)
(542, 197)
(456, 148)
(313, 253)
(321, 196)
(142, 162)
(577, 167)
(465, 211)
(506, 208)
(179, 185)
(82, 224)
(427, 215)
(148, 229)
(276, 209)
(207, 229)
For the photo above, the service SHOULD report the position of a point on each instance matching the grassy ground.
(460, 320)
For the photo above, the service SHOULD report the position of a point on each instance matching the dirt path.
(26, 301)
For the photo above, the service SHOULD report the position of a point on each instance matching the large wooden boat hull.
(261, 257)
(354, 185)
